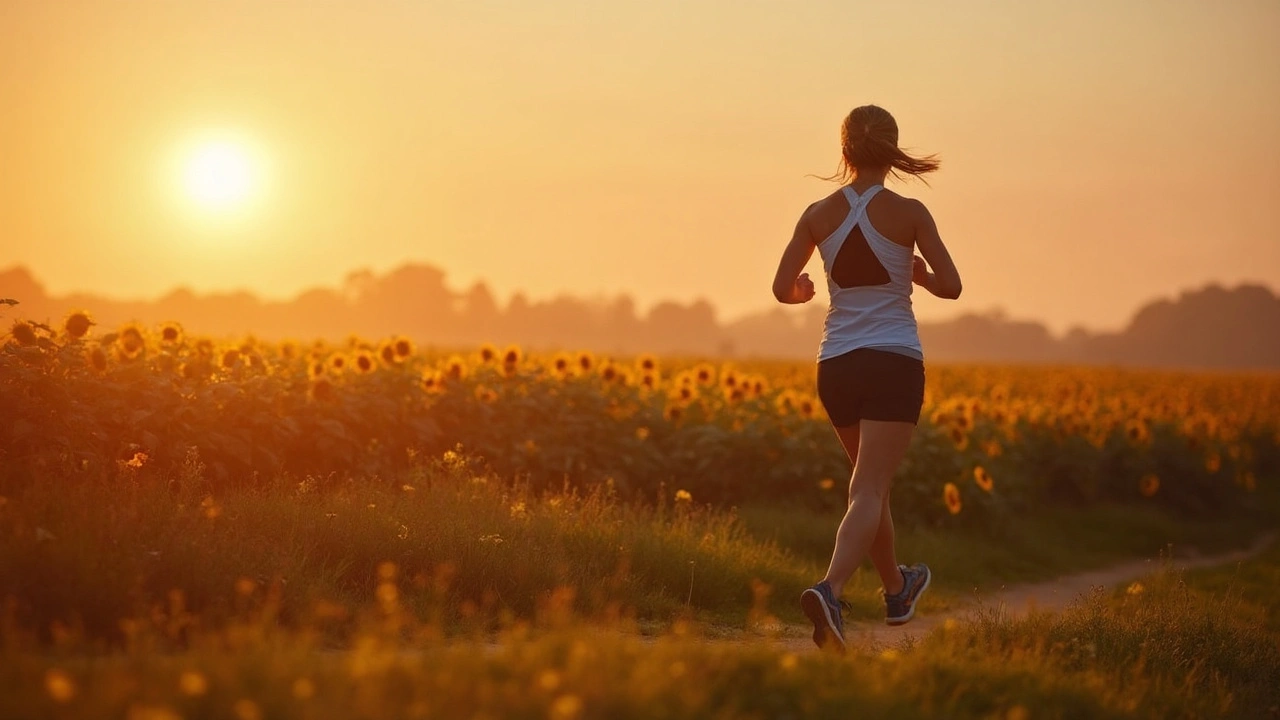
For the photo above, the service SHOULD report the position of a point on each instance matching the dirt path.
(1052, 595)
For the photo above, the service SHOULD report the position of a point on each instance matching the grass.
(447, 594)
(1177, 648)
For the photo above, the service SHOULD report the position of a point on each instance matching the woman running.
(870, 363)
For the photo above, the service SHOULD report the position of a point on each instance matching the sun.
(221, 175)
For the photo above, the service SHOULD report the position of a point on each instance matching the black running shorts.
(869, 384)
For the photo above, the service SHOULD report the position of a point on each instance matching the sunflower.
(951, 495)
(487, 353)
(562, 364)
(511, 359)
(586, 361)
(337, 363)
(1213, 463)
(673, 412)
(649, 380)
(204, 346)
(403, 346)
(316, 368)
(960, 438)
(77, 325)
(388, 354)
(321, 390)
(230, 359)
(485, 395)
(682, 393)
(130, 342)
(608, 372)
(1149, 485)
(704, 373)
(785, 402)
(433, 382)
(97, 359)
(806, 407)
(983, 478)
(455, 368)
(24, 332)
(171, 334)
(365, 362)
(647, 364)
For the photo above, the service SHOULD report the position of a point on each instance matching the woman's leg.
(883, 555)
(881, 448)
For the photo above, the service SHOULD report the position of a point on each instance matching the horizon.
(601, 302)
(633, 149)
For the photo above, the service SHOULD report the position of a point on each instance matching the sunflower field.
(139, 402)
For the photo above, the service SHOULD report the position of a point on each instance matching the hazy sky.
(1095, 154)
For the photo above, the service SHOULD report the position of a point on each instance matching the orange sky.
(1095, 154)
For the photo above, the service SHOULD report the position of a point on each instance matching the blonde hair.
(869, 139)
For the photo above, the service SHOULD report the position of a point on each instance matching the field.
(204, 528)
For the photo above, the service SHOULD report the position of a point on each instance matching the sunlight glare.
(220, 175)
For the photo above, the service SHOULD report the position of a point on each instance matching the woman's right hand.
(920, 272)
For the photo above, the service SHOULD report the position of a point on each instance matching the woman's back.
(868, 272)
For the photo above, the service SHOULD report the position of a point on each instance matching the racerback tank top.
(869, 280)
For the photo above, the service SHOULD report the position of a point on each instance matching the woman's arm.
(790, 284)
(944, 281)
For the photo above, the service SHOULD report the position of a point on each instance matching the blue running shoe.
(822, 607)
(902, 607)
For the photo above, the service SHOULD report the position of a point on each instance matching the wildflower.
(171, 334)
(519, 510)
(487, 353)
(77, 325)
(642, 433)
(826, 484)
(951, 494)
(1213, 463)
(192, 683)
(24, 332)
(982, 478)
(59, 685)
(365, 362)
(246, 709)
(303, 689)
(684, 496)
(992, 448)
(566, 707)
(137, 461)
(403, 347)
(1135, 588)
(1149, 485)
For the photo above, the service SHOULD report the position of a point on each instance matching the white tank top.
(869, 280)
